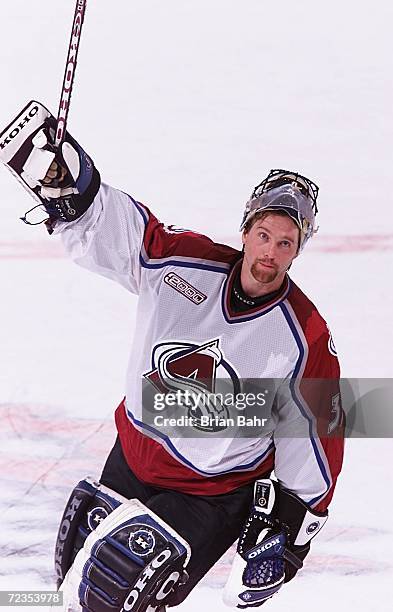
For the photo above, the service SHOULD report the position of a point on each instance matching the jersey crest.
(199, 373)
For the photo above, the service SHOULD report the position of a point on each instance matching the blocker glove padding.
(272, 546)
(26, 149)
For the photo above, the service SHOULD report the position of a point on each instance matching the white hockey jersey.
(185, 324)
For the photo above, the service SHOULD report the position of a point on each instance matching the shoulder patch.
(331, 347)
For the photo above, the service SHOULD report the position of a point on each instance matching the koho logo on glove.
(16, 128)
(262, 549)
(144, 579)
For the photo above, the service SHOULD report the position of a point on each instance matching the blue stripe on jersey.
(168, 261)
(198, 264)
(256, 311)
(299, 403)
(188, 463)
(140, 208)
(243, 318)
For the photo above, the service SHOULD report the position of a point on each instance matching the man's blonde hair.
(262, 214)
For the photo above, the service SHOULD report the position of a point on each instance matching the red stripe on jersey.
(162, 241)
(153, 465)
(321, 396)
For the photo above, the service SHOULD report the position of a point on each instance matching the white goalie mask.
(289, 192)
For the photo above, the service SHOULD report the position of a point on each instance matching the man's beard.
(263, 275)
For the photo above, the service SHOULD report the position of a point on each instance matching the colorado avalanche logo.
(194, 370)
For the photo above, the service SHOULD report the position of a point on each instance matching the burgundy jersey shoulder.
(320, 385)
(165, 241)
(322, 359)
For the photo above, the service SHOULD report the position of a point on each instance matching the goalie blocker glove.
(26, 149)
(272, 546)
(129, 559)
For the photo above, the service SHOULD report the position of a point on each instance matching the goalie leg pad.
(131, 561)
(89, 503)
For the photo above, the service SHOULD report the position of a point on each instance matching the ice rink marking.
(335, 244)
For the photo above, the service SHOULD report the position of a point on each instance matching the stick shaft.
(69, 73)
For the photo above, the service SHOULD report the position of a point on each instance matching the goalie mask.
(288, 191)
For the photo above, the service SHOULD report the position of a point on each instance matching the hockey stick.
(69, 73)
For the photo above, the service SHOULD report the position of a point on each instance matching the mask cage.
(279, 177)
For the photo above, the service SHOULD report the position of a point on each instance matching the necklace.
(242, 299)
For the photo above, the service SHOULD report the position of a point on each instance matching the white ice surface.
(187, 105)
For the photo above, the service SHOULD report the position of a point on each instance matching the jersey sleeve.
(309, 434)
(118, 237)
(108, 237)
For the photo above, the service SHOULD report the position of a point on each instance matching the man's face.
(270, 246)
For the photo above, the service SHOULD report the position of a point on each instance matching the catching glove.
(64, 181)
(272, 546)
